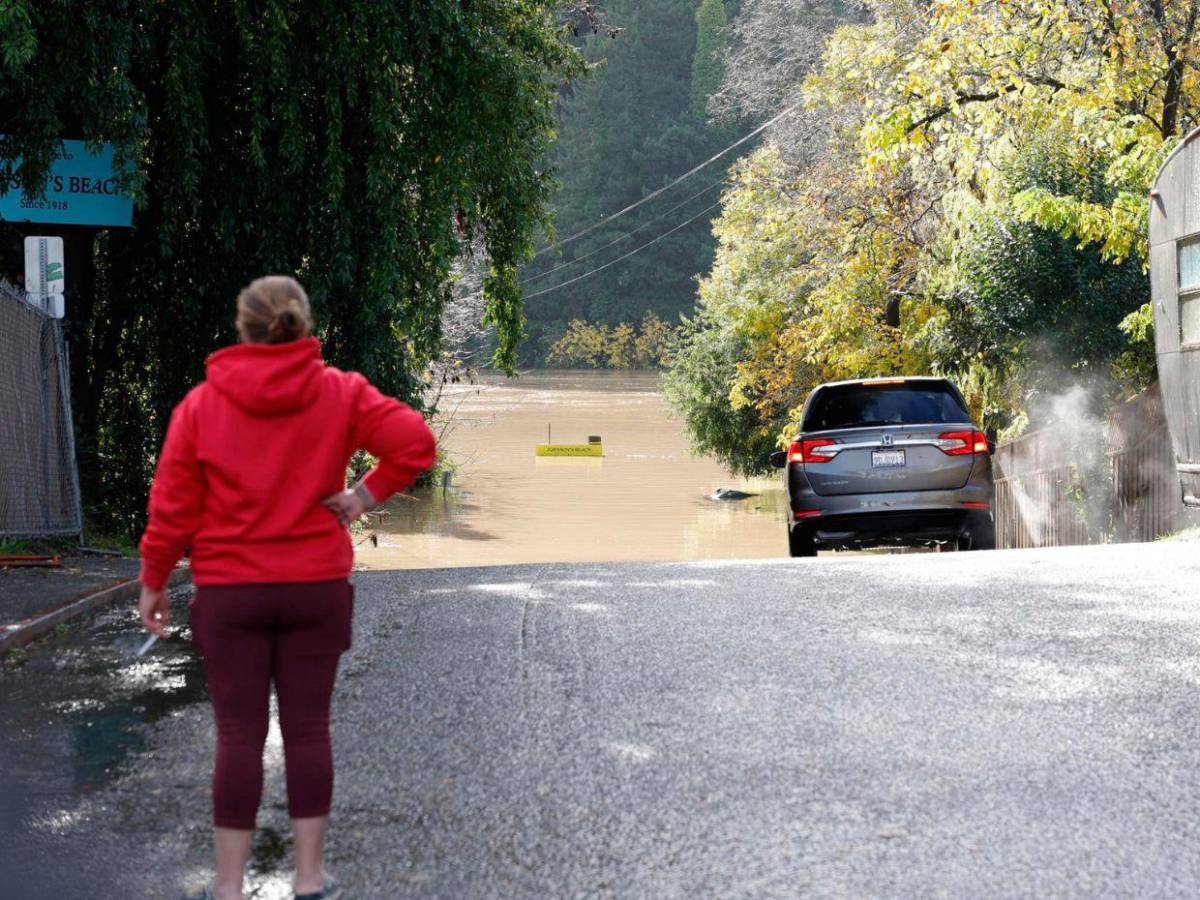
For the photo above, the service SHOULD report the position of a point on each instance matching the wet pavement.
(75, 711)
(1020, 723)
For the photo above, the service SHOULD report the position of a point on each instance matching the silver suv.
(888, 461)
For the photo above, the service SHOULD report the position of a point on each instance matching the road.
(1019, 723)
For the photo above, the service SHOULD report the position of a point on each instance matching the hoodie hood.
(268, 380)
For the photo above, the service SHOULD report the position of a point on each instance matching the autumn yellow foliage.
(983, 158)
(622, 346)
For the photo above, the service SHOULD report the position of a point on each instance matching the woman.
(252, 479)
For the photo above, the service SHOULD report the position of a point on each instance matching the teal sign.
(82, 190)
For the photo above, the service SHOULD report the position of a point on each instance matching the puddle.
(89, 698)
(74, 715)
(269, 857)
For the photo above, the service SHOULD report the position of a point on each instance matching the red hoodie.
(251, 452)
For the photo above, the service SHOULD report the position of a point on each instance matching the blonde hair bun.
(273, 310)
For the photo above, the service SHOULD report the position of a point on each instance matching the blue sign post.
(83, 188)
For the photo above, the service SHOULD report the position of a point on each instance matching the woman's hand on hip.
(155, 610)
(347, 505)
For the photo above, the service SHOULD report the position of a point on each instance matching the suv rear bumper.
(859, 520)
(895, 528)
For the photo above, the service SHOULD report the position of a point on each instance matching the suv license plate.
(882, 459)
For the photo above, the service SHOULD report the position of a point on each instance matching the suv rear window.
(863, 405)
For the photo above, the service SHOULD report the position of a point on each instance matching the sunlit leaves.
(985, 179)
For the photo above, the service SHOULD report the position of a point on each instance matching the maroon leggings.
(251, 635)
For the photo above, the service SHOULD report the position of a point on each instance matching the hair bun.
(288, 324)
(273, 310)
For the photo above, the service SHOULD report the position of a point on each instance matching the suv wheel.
(800, 542)
(981, 537)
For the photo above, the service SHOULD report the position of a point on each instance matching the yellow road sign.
(569, 450)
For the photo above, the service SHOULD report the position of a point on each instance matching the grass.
(15, 657)
(12, 545)
(444, 465)
(69, 546)
(118, 543)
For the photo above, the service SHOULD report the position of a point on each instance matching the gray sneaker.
(331, 891)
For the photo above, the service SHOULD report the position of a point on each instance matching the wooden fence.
(1054, 490)
(1035, 510)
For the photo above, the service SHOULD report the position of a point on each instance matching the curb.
(20, 633)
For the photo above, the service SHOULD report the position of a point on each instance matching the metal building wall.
(1174, 215)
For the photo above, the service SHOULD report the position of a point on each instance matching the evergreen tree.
(627, 131)
(708, 62)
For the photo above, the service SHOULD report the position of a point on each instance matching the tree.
(1030, 302)
(698, 384)
(976, 207)
(625, 132)
(583, 345)
(943, 84)
(597, 346)
(773, 45)
(358, 145)
(708, 62)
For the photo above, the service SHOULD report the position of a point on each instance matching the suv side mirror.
(779, 459)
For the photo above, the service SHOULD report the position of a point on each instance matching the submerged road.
(1019, 723)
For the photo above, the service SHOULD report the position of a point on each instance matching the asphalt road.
(991, 724)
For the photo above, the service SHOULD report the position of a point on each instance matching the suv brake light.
(963, 443)
(808, 452)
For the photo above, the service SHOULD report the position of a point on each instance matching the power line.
(612, 262)
(665, 188)
(627, 234)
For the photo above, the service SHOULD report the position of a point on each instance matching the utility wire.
(612, 262)
(665, 188)
(627, 234)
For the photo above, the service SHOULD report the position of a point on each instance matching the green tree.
(699, 384)
(625, 132)
(621, 347)
(978, 206)
(708, 62)
(359, 145)
(1030, 301)
(1137, 367)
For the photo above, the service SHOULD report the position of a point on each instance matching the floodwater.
(646, 499)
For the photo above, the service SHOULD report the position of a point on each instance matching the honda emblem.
(887, 440)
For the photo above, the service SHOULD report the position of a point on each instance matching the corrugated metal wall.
(1035, 510)
(1174, 216)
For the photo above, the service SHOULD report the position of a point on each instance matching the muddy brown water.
(646, 499)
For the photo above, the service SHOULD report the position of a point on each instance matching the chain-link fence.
(39, 483)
